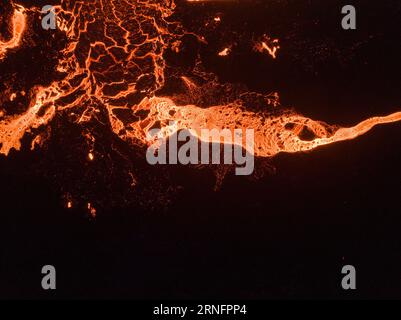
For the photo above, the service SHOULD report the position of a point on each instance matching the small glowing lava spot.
(91, 157)
(217, 19)
(225, 52)
(13, 96)
(92, 210)
(133, 180)
(37, 141)
(176, 46)
(268, 45)
(61, 69)
(69, 204)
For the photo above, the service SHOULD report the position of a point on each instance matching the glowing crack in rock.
(271, 46)
(114, 60)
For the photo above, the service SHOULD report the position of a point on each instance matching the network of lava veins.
(114, 58)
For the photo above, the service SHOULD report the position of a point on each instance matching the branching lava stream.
(114, 59)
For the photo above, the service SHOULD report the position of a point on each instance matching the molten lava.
(18, 23)
(114, 60)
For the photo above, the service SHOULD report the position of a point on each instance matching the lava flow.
(114, 61)
(18, 27)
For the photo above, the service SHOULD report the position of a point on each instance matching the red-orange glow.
(273, 135)
(18, 26)
(225, 52)
(133, 59)
(271, 46)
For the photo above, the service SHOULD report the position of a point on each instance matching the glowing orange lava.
(121, 68)
(268, 45)
(18, 23)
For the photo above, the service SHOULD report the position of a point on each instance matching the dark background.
(285, 235)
